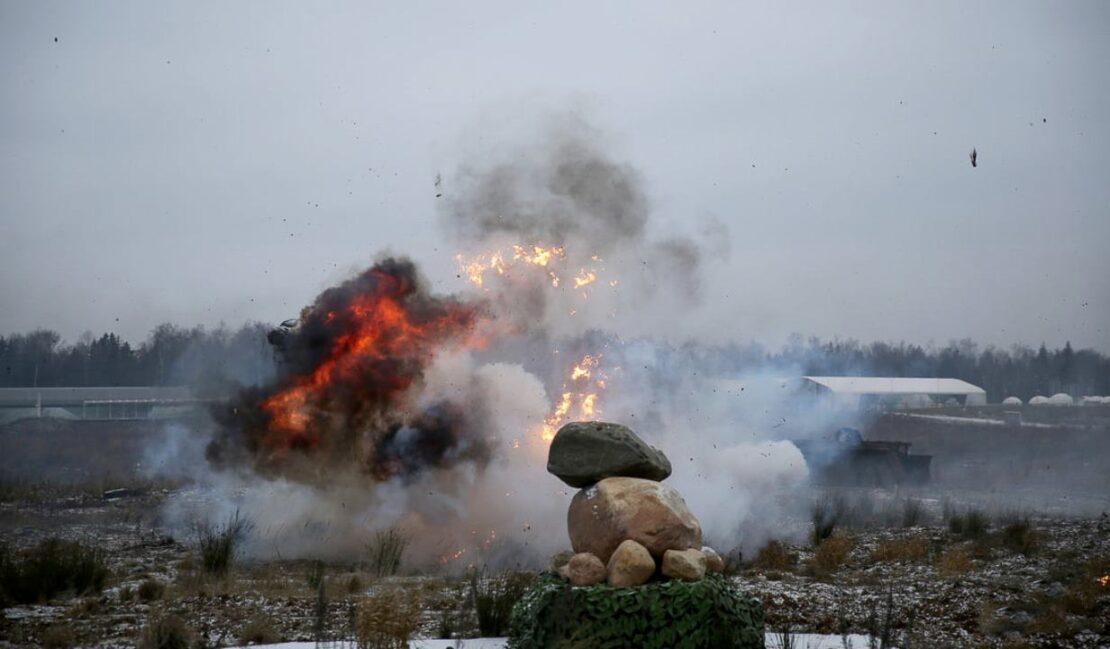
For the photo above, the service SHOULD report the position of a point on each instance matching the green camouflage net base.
(708, 614)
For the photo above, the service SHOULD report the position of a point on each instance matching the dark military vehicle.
(846, 459)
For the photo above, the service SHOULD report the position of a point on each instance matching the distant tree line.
(1020, 371)
(170, 355)
(173, 355)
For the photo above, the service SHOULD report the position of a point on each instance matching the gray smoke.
(563, 189)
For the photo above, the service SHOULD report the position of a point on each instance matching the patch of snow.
(27, 612)
(819, 641)
(773, 641)
(950, 419)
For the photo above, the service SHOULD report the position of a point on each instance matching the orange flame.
(579, 393)
(500, 262)
(379, 332)
(477, 544)
(582, 369)
(1104, 581)
(555, 419)
(577, 396)
(586, 410)
(584, 277)
(538, 256)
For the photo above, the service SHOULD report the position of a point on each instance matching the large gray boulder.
(585, 452)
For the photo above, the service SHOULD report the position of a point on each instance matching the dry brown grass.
(59, 636)
(165, 632)
(913, 549)
(954, 561)
(1020, 536)
(831, 554)
(151, 590)
(774, 556)
(387, 620)
(260, 629)
(1085, 592)
(990, 622)
(1051, 621)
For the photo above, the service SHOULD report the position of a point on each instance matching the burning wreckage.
(342, 396)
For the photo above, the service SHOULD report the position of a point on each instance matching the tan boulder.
(630, 565)
(687, 565)
(584, 569)
(713, 561)
(600, 517)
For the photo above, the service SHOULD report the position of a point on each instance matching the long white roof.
(68, 396)
(894, 385)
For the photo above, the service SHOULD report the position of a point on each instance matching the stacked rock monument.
(639, 576)
(626, 526)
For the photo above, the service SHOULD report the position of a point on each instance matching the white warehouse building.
(893, 392)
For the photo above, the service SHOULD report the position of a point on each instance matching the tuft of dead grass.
(1020, 536)
(913, 512)
(50, 569)
(354, 584)
(774, 556)
(831, 554)
(972, 524)
(151, 590)
(165, 632)
(1086, 591)
(494, 597)
(260, 629)
(911, 549)
(219, 544)
(386, 551)
(59, 636)
(826, 515)
(954, 561)
(387, 620)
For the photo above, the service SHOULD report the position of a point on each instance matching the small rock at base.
(585, 569)
(630, 565)
(687, 565)
(560, 559)
(713, 561)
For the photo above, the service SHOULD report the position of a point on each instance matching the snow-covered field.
(800, 640)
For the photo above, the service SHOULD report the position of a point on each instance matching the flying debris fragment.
(974, 155)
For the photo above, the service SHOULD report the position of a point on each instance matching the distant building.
(135, 402)
(893, 392)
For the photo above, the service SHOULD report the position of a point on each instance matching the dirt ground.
(924, 584)
(908, 565)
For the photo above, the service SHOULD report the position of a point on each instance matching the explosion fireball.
(349, 369)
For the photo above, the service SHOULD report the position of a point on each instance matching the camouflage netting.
(708, 614)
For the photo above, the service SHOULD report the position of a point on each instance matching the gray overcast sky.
(198, 162)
